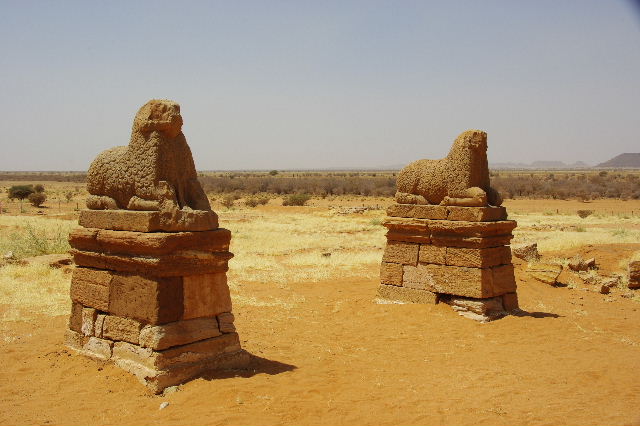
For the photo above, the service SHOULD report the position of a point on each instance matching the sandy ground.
(337, 357)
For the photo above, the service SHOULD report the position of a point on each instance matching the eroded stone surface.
(460, 179)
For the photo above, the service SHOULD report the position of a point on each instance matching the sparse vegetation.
(296, 200)
(37, 198)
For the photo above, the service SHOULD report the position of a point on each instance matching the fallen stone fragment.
(547, 273)
(634, 274)
(578, 264)
(526, 251)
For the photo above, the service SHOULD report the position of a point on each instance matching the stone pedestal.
(456, 255)
(157, 304)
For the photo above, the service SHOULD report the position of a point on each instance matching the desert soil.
(337, 357)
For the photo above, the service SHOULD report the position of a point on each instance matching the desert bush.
(296, 200)
(37, 198)
(228, 200)
(584, 213)
(39, 187)
(251, 202)
(68, 196)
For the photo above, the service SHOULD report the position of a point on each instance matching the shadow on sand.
(257, 365)
(522, 313)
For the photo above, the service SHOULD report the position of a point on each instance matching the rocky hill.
(627, 160)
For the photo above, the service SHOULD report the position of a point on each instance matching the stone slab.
(89, 316)
(153, 300)
(149, 221)
(75, 317)
(471, 229)
(471, 242)
(401, 252)
(186, 354)
(456, 213)
(205, 295)
(419, 226)
(476, 214)
(175, 265)
(178, 333)
(417, 211)
(407, 295)
(148, 243)
(408, 236)
(391, 273)
(510, 302)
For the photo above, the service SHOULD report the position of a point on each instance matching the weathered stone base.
(458, 254)
(155, 304)
(159, 369)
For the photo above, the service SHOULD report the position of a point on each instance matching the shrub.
(273, 172)
(584, 213)
(263, 200)
(296, 200)
(227, 201)
(251, 202)
(37, 198)
(20, 191)
(69, 196)
(39, 187)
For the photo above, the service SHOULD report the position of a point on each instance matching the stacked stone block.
(154, 302)
(458, 255)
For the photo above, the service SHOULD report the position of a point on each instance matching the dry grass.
(29, 291)
(560, 232)
(33, 236)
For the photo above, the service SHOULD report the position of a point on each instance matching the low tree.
(20, 191)
(39, 188)
(273, 172)
(296, 200)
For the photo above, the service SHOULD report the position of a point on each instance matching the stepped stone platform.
(458, 255)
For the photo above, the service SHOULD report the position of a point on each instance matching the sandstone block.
(417, 278)
(482, 310)
(469, 282)
(526, 251)
(417, 211)
(205, 295)
(99, 325)
(153, 300)
(432, 254)
(478, 257)
(391, 273)
(121, 329)
(178, 333)
(75, 318)
(98, 348)
(174, 265)
(170, 358)
(148, 243)
(88, 321)
(225, 322)
(400, 252)
(91, 287)
(407, 295)
(148, 221)
(547, 273)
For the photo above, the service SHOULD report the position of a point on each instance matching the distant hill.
(628, 160)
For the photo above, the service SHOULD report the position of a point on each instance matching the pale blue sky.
(315, 84)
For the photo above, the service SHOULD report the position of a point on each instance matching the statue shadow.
(256, 365)
(522, 313)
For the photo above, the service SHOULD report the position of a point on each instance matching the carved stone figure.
(459, 179)
(154, 172)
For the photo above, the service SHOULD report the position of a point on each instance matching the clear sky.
(321, 84)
